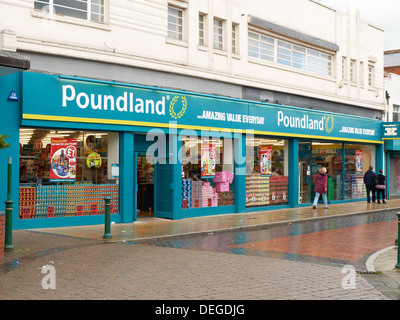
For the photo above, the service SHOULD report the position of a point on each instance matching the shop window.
(67, 173)
(328, 155)
(358, 158)
(313, 155)
(207, 172)
(266, 179)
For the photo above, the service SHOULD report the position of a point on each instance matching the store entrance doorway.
(145, 187)
(305, 177)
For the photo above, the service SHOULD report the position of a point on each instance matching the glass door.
(305, 180)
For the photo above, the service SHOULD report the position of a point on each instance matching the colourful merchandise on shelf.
(66, 200)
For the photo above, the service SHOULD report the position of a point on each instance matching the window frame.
(235, 38)
(175, 30)
(269, 48)
(371, 75)
(40, 5)
(396, 113)
(353, 71)
(218, 37)
(202, 29)
(344, 69)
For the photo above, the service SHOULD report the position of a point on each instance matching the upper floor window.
(91, 10)
(396, 113)
(235, 36)
(202, 29)
(361, 73)
(283, 52)
(261, 47)
(352, 70)
(175, 23)
(371, 76)
(344, 68)
(218, 34)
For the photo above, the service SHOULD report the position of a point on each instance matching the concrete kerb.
(371, 260)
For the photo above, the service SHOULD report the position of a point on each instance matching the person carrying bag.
(321, 187)
(380, 187)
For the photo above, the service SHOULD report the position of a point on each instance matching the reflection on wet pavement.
(333, 241)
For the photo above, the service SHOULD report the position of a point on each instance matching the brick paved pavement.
(88, 268)
(96, 270)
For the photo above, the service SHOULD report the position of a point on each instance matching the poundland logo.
(123, 103)
(304, 122)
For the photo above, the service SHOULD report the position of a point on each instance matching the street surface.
(320, 259)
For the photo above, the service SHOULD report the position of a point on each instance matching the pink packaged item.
(223, 176)
(222, 186)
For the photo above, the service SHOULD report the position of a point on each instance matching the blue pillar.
(240, 172)
(127, 180)
(379, 153)
(10, 122)
(174, 146)
(387, 173)
(293, 173)
(343, 172)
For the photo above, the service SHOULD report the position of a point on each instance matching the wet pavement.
(282, 254)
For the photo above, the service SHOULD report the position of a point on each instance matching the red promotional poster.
(265, 160)
(208, 155)
(63, 160)
(359, 161)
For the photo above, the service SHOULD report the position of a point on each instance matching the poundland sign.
(123, 103)
(75, 100)
(305, 122)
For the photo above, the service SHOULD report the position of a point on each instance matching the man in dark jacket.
(369, 180)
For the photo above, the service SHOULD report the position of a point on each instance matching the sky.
(384, 14)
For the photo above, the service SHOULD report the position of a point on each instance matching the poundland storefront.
(169, 154)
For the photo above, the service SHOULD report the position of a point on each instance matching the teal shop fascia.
(58, 101)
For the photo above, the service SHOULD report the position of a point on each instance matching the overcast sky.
(384, 14)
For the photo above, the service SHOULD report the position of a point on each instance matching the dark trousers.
(369, 190)
(380, 192)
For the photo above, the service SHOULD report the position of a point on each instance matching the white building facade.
(298, 48)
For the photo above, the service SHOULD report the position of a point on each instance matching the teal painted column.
(174, 146)
(10, 121)
(387, 174)
(293, 173)
(127, 180)
(240, 172)
(379, 155)
(343, 172)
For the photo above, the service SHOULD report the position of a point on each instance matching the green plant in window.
(3, 143)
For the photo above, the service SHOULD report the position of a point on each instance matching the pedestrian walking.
(380, 187)
(321, 187)
(369, 181)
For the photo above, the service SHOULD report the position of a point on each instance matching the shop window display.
(266, 169)
(358, 158)
(66, 173)
(328, 155)
(207, 172)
